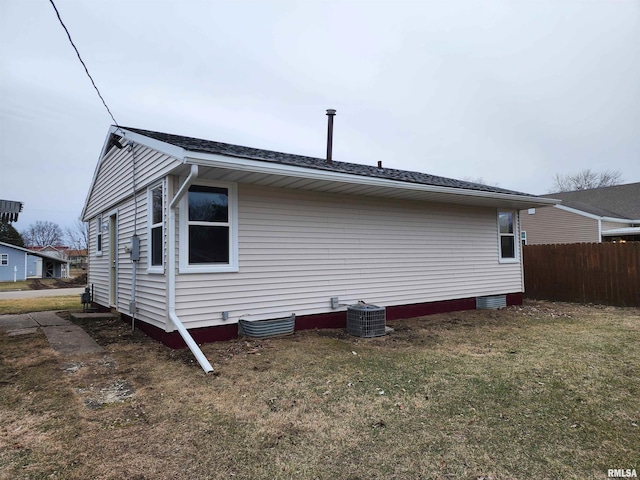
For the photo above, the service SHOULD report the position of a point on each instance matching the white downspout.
(171, 270)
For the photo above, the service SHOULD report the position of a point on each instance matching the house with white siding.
(188, 236)
(594, 215)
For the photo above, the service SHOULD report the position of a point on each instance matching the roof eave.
(260, 166)
(34, 253)
(621, 231)
(593, 216)
(164, 147)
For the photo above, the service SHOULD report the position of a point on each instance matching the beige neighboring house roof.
(614, 211)
(35, 253)
(620, 202)
(58, 251)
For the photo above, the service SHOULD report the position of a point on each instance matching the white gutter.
(621, 231)
(171, 273)
(262, 166)
(258, 165)
(620, 220)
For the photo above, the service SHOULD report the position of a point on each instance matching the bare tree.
(585, 179)
(42, 233)
(479, 180)
(78, 235)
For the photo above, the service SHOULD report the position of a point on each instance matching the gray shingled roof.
(619, 201)
(208, 146)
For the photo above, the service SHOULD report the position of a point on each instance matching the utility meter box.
(134, 248)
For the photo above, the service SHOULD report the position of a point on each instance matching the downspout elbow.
(173, 316)
(193, 174)
(193, 346)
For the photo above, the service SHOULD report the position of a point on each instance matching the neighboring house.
(17, 263)
(59, 251)
(221, 232)
(596, 215)
(77, 258)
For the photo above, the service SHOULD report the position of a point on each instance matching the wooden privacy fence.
(603, 273)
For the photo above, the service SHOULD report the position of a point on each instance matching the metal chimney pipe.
(330, 113)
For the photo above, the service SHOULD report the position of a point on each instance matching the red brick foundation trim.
(306, 322)
(173, 339)
(514, 299)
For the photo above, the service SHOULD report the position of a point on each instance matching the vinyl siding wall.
(150, 288)
(113, 179)
(298, 249)
(112, 191)
(613, 225)
(16, 259)
(553, 225)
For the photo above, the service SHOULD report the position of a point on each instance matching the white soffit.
(233, 169)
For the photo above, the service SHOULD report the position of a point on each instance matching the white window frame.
(99, 236)
(4, 259)
(514, 235)
(232, 266)
(150, 226)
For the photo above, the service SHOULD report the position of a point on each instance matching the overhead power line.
(83, 64)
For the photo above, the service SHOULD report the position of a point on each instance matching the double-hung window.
(99, 235)
(4, 259)
(208, 241)
(155, 212)
(507, 236)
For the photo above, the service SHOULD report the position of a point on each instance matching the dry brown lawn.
(18, 306)
(540, 391)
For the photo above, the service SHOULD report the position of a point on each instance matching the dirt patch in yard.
(542, 390)
(50, 283)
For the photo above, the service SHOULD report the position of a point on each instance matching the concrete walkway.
(64, 336)
(48, 292)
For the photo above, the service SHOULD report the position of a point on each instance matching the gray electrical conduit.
(132, 306)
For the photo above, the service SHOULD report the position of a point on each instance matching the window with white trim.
(507, 236)
(99, 235)
(4, 259)
(208, 228)
(155, 219)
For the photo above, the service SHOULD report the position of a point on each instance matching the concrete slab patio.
(64, 336)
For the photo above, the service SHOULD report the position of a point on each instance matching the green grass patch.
(13, 286)
(40, 304)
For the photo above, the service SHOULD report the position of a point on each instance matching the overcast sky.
(508, 91)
